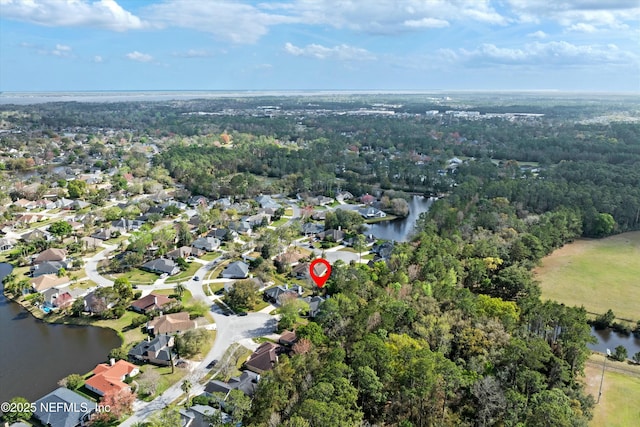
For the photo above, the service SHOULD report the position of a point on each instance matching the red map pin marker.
(318, 273)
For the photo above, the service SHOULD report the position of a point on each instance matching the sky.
(367, 45)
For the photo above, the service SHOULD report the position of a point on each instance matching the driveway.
(230, 329)
(91, 267)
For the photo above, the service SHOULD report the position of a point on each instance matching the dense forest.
(450, 331)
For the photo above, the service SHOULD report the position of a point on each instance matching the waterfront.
(610, 339)
(400, 230)
(34, 354)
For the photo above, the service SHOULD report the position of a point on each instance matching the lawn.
(597, 274)
(374, 220)
(138, 277)
(210, 256)
(185, 275)
(186, 296)
(282, 221)
(620, 393)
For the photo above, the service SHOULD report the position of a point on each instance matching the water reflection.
(401, 230)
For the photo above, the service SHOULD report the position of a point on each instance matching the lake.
(401, 229)
(35, 355)
(610, 339)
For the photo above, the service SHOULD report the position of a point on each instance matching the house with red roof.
(109, 378)
(152, 302)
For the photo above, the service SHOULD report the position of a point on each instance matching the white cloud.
(538, 35)
(583, 28)
(341, 52)
(138, 56)
(597, 13)
(228, 20)
(559, 54)
(62, 50)
(106, 14)
(426, 23)
(98, 59)
(194, 53)
(388, 17)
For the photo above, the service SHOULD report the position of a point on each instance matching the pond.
(35, 355)
(401, 229)
(610, 339)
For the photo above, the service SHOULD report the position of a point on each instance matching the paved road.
(230, 329)
(91, 267)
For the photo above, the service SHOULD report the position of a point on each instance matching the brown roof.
(47, 281)
(51, 254)
(288, 337)
(264, 358)
(152, 302)
(175, 322)
(290, 257)
(108, 378)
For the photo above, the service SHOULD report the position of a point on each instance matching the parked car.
(196, 278)
(242, 313)
(212, 364)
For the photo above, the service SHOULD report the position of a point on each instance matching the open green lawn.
(618, 405)
(597, 274)
(386, 218)
(186, 296)
(138, 277)
(185, 275)
(280, 222)
(210, 256)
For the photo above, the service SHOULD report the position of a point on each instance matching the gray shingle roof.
(61, 418)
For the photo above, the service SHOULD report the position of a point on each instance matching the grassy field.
(598, 274)
(618, 405)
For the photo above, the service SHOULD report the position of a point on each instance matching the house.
(312, 228)
(65, 204)
(288, 338)
(125, 225)
(152, 302)
(195, 201)
(267, 202)
(344, 195)
(106, 233)
(314, 305)
(247, 382)
(264, 358)
(181, 252)
(91, 242)
(367, 199)
(223, 234)
(36, 235)
(332, 235)
(236, 270)
(289, 257)
(383, 250)
(51, 254)
(224, 202)
(110, 378)
(201, 415)
(371, 212)
(62, 397)
(47, 281)
(96, 304)
(208, 244)
(257, 220)
(25, 204)
(273, 295)
(6, 244)
(161, 266)
(63, 300)
(171, 323)
(49, 267)
(240, 227)
(301, 271)
(157, 350)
